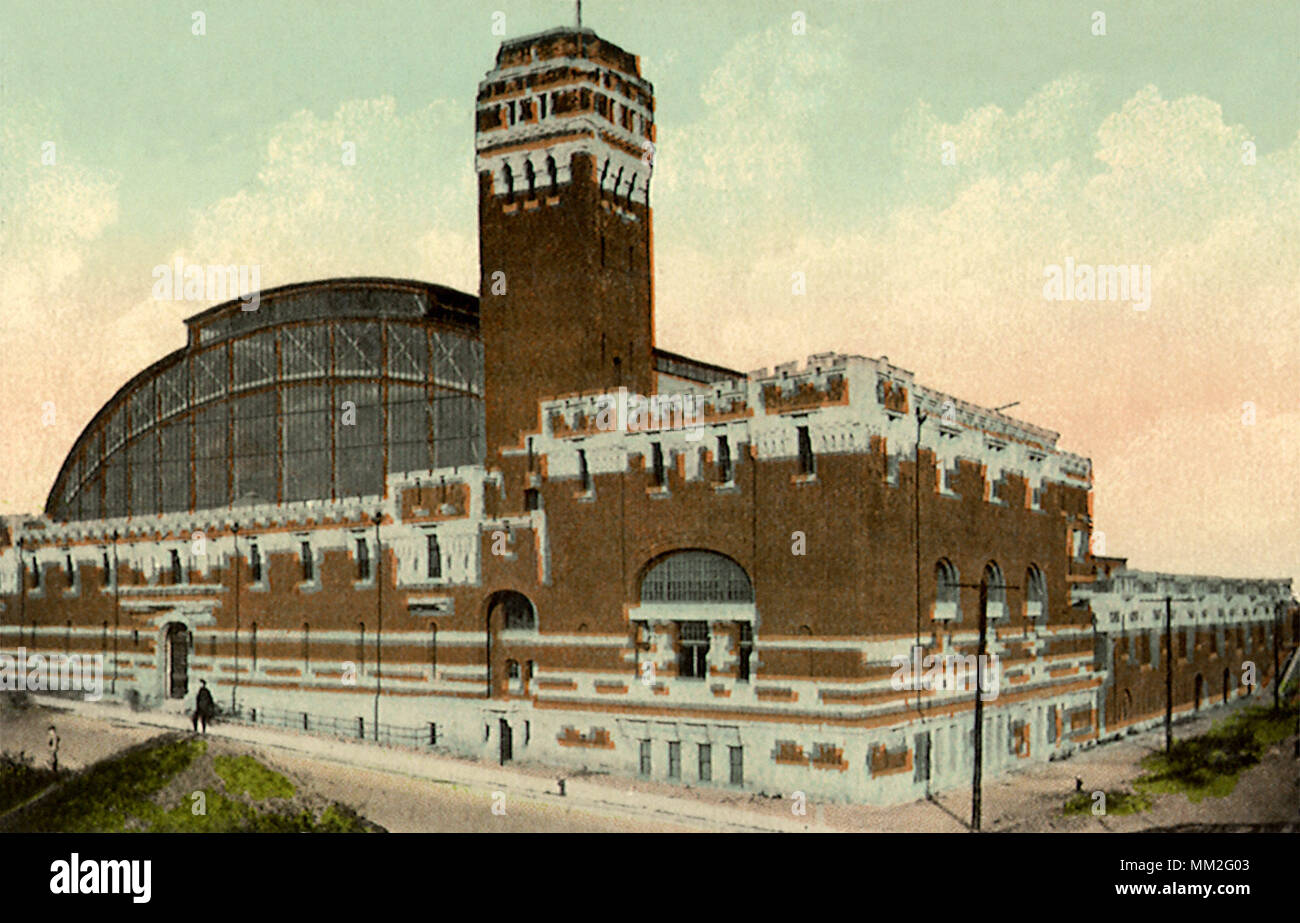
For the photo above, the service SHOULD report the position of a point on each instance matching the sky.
(921, 163)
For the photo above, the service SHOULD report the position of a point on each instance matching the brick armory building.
(390, 510)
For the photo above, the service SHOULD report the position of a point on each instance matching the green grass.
(101, 799)
(20, 780)
(122, 794)
(1118, 802)
(243, 774)
(1210, 764)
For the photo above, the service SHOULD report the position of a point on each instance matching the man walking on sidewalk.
(204, 707)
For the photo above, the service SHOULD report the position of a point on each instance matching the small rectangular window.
(583, 471)
(744, 650)
(532, 499)
(108, 570)
(674, 759)
(693, 649)
(645, 758)
(308, 565)
(724, 460)
(363, 560)
(657, 464)
(706, 762)
(72, 571)
(177, 576)
(737, 765)
(435, 557)
(255, 563)
(807, 463)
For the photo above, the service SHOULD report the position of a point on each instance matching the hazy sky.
(779, 152)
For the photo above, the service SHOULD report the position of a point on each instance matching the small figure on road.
(53, 739)
(1078, 784)
(204, 707)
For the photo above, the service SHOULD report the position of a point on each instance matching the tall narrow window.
(807, 464)
(363, 560)
(108, 570)
(531, 177)
(583, 471)
(177, 577)
(252, 644)
(361, 647)
(508, 176)
(737, 765)
(72, 571)
(1035, 593)
(36, 574)
(996, 594)
(693, 649)
(435, 557)
(255, 562)
(946, 593)
(433, 651)
(541, 110)
(674, 759)
(550, 166)
(724, 460)
(306, 647)
(706, 762)
(645, 758)
(657, 463)
(744, 650)
(308, 565)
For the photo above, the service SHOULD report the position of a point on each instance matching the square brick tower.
(564, 150)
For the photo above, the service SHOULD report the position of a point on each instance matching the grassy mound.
(1210, 763)
(172, 784)
(20, 779)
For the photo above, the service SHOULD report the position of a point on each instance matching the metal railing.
(358, 728)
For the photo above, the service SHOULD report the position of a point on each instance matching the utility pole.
(234, 690)
(976, 796)
(1169, 665)
(379, 619)
(916, 521)
(117, 609)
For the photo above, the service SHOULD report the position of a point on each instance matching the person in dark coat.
(204, 707)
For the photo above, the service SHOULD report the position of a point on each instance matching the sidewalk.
(529, 783)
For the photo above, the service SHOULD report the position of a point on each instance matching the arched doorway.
(177, 652)
(509, 611)
(1125, 707)
(1198, 692)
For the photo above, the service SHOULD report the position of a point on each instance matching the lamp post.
(22, 584)
(1277, 649)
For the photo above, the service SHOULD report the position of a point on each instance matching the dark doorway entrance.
(507, 742)
(178, 660)
(921, 769)
(1199, 692)
(1227, 680)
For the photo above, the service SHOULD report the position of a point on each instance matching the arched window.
(1035, 593)
(508, 177)
(512, 611)
(996, 591)
(531, 177)
(947, 595)
(696, 577)
(552, 173)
